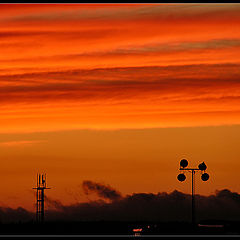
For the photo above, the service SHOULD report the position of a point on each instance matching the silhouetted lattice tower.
(41, 186)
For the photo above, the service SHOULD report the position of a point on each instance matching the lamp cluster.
(202, 167)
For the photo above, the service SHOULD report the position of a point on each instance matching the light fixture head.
(202, 166)
(183, 163)
(181, 177)
(205, 176)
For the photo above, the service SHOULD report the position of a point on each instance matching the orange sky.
(118, 94)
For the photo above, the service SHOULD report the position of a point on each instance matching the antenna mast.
(41, 186)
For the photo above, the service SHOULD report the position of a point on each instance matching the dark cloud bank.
(112, 206)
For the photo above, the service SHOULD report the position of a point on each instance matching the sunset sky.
(118, 94)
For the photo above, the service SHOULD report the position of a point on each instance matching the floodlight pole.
(181, 177)
(193, 197)
(193, 170)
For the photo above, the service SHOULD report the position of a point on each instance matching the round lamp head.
(183, 163)
(181, 177)
(205, 177)
(202, 166)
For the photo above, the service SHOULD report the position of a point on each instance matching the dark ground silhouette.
(120, 228)
(113, 213)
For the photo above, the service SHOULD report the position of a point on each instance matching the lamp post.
(181, 177)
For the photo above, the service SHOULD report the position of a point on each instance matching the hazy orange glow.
(117, 93)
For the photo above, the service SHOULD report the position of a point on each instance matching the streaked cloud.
(108, 66)
(22, 143)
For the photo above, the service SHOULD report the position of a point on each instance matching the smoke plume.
(104, 191)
